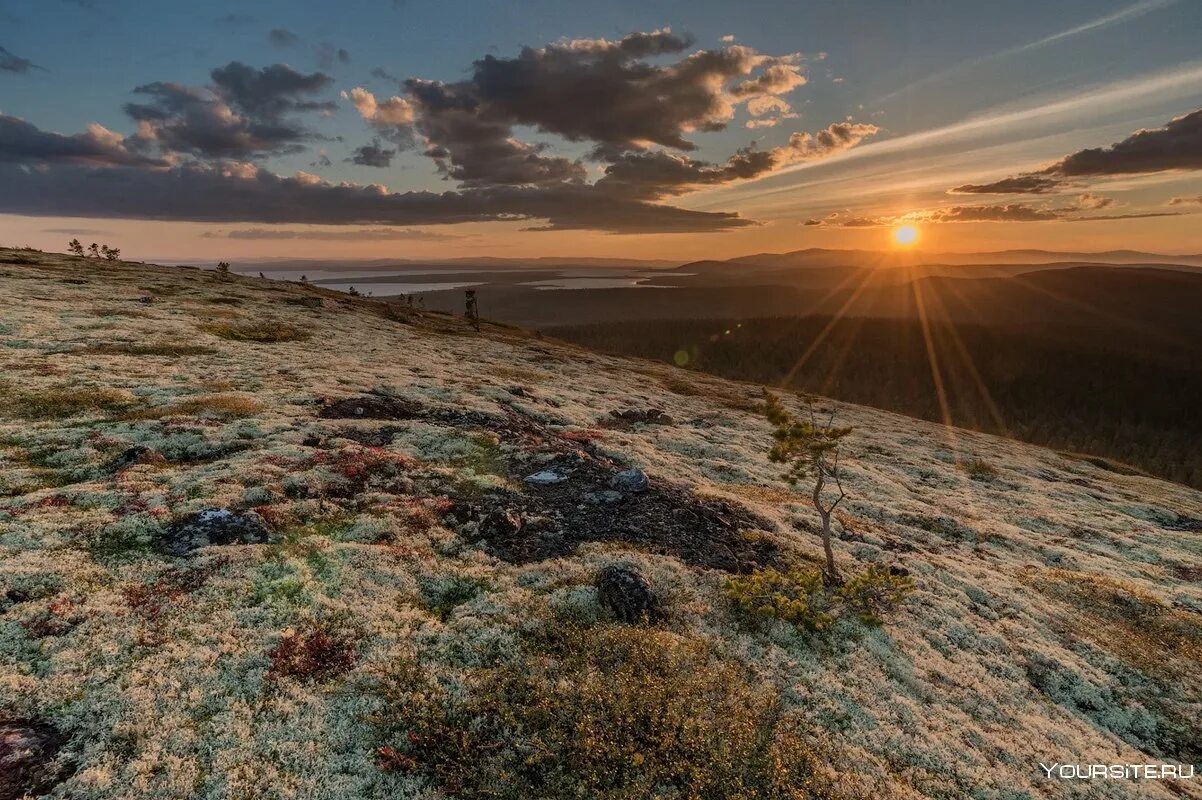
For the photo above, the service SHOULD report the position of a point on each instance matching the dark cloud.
(1176, 146)
(384, 75)
(280, 37)
(371, 234)
(634, 101)
(1020, 184)
(245, 193)
(1145, 215)
(244, 113)
(24, 143)
(654, 174)
(372, 155)
(236, 19)
(1092, 201)
(11, 62)
(328, 55)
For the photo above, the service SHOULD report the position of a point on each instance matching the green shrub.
(606, 712)
(875, 592)
(798, 595)
(979, 470)
(795, 595)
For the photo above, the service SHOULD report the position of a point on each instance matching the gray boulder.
(630, 480)
(214, 526)
(625, 592)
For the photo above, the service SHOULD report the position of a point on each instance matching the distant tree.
(810, 448)
(304, 278)
(75, 247)
(353, 292)
(223, 267)
(110, 253)
(94, 250)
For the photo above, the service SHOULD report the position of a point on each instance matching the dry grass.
(169, 349)
(260, 332)
(61, 402)
(213, 406)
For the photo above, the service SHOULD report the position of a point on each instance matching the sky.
(666, 130)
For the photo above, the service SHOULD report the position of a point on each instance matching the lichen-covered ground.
(1056, 614)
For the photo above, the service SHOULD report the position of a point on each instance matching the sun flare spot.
(905, 235)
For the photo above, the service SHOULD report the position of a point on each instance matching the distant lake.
(392, 287)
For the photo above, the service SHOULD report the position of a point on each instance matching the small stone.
(626, 593)
(500, 523)
(28, 752)
(214, 526)
(545, 478)
(630, 480)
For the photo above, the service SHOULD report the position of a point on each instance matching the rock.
(630, 480)
(898, 572)
(646, 416)
(545, 478)
(372, 406)
(626, 593)
(214, 526)
(500, 523)
(603, 497)
(28, 752)
(138, 454)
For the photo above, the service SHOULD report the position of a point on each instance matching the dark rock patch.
(624, 417)
(213, 526)
(625, 592)
(29, 763)
(588, 504)
(376, 437)
(372, 406)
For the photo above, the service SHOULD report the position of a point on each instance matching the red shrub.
(311, 654)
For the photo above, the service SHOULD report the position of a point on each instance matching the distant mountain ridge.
(823, 257)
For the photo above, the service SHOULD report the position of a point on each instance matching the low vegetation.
(649, 713)
(799, 595)
(260, 332)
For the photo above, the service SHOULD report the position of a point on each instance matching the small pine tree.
(810, 448)
(223, 267)
(93, 250)
(75, 247)
(110, 253)
(304, 278)
(353, 292)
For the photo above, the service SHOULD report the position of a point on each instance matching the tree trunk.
(830, 574)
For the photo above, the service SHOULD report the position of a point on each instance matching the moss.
(978, 469)
(212, 406)
(603, 712)
(61, 402)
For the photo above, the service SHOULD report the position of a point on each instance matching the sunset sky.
(679, 130)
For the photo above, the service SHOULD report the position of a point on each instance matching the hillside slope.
(379, 604)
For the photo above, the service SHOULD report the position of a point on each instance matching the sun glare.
(905, 236)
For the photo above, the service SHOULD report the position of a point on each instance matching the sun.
(905, 235)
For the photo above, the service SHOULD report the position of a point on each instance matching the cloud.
(1010, 212)
(372, 155)
(635, 102)
(1094, 201)
(370, 234)
(243, 113)
(1186, 201)
(328, 55)
(281, 37)
(1020, 184)
(236, 19)
(1174, 147)
(11, 62)
(242, 192)
(24, 143)
(654, 174)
